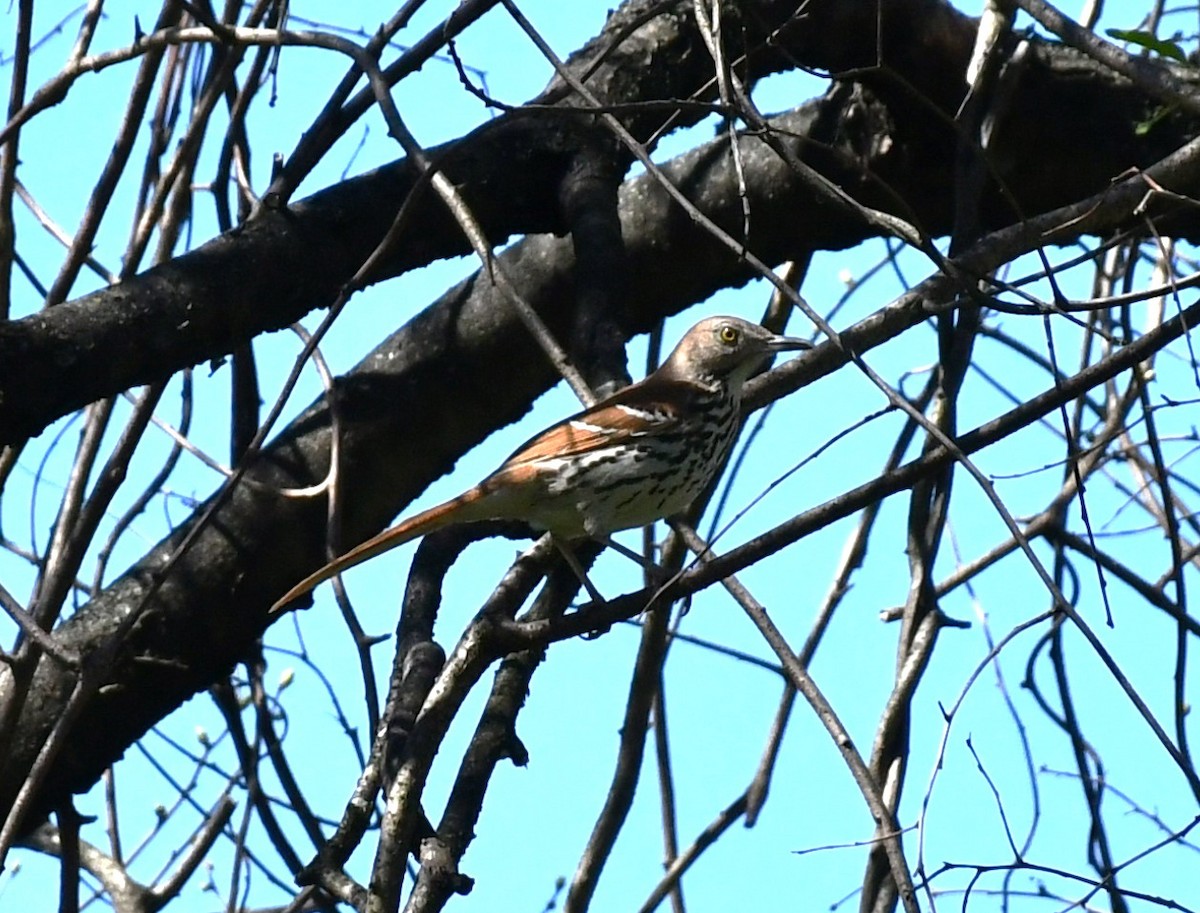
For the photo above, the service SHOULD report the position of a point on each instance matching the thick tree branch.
(284, 263)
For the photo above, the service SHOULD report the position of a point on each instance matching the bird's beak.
(787, 344)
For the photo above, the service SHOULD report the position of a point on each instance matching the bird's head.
(726, 350)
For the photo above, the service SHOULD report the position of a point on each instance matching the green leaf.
(1150, 42)
(1161, 113)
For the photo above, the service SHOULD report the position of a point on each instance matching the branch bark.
(884, 138)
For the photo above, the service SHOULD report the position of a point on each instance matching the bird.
(638, 456)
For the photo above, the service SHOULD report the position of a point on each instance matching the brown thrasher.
(638, 456)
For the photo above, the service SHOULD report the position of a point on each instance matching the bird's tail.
(427, 521)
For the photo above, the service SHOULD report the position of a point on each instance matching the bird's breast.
(638, 479)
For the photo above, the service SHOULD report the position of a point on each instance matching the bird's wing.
(636, 411)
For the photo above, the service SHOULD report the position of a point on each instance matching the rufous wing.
(636, 411)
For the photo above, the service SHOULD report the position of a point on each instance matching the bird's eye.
(728, 334)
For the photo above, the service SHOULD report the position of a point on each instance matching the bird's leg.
(564, 549)
(656, 574)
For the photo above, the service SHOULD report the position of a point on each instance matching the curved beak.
(787, 344)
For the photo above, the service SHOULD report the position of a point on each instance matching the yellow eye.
(728, 334)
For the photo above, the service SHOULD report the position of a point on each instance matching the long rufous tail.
(427, 521)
